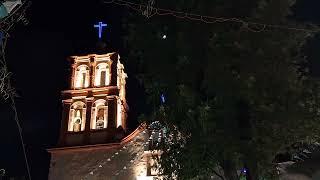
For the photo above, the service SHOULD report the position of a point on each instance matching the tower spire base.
(101, 47)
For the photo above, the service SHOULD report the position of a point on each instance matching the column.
(114, 69)
(92, 71)
(73, 76)
(112, 113)
(88, 122)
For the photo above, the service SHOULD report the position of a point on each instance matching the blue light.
(163, 99)
(244, 171)
(100, 28)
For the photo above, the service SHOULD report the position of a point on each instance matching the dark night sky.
(37, 57)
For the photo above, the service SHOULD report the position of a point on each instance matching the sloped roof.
(121, 161)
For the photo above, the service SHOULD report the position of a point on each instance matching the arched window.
(82, 77)
(102, 75)
(99, 114)
(77, 117)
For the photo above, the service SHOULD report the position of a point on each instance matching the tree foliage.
(238, 97)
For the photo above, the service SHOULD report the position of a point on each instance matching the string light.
(139, 154)
(249, 25)
(116, 155)
(137, 157)
(134, 160)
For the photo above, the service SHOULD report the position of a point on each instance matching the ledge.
(93, 89)
(125, 140)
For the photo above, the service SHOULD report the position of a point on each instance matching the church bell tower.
(94, 142)
(95, 107)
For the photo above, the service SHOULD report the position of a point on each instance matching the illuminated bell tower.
(95, 107)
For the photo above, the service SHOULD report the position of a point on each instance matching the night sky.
(37, 54)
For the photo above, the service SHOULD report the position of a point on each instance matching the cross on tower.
(100, 28)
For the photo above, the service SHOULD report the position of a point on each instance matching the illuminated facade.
(94, 108)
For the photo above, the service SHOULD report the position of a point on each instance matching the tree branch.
(217, 174)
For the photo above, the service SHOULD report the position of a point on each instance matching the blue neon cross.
(100, 26)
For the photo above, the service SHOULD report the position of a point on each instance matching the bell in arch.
(100, 119)
(77, 122)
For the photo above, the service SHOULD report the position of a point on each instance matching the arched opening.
(82, 77)
(77, 122)
(99, 114)
(102, 75)
(77, 117)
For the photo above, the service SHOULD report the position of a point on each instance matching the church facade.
(94, 142)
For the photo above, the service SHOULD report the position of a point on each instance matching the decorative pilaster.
(112, 113)
(88, 121)
(114, 59)
(92, 71)
(73, 76)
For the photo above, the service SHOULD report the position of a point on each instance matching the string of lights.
(145, 146)
(149, 11)
(138, 151)
(117, 154)
(133, 160)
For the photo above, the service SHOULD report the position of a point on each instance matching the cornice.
(124, 141)
(86, 90)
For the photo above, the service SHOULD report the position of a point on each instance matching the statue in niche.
(77, 122)
(100, 118)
